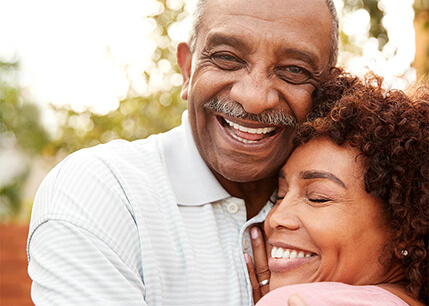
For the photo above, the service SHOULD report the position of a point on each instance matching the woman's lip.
(283, 264)
(280, 244)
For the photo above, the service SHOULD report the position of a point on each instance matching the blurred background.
(74, 74)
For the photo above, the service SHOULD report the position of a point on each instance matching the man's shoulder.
(108, 164)
(121, 148)
(107, 177)
(116, 154)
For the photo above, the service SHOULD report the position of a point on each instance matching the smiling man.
(163, 221)
(248, 79)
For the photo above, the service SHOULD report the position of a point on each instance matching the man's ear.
(184, 59)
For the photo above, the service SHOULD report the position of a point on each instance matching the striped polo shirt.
(139, 223)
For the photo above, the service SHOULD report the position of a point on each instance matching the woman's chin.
(277, 281)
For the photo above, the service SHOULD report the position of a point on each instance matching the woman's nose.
(255, 92)
(283, 215)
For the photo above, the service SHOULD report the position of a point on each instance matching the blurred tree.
(21, 134)
(137, 116)
(19, 120)
(376, 28)
(140, 114)
(421, 26)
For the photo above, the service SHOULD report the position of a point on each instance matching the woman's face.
(325, 227)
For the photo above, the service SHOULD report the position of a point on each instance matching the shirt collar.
(192, 181)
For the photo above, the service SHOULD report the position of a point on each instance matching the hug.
(335, 167)
(352, 201)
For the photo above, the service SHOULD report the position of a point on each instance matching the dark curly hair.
(390, 128)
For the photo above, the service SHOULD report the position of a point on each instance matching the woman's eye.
(276, 198)
(293, 74)
(227, 61)
(318, 200)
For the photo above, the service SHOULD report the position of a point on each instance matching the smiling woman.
(325, 220)
(352, 201)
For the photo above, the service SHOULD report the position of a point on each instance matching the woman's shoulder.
(332, 293)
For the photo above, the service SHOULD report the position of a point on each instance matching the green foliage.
(19, 121)
(11, 196)
(21, 131)
(376, 29)
(137, 116)
(421, 6)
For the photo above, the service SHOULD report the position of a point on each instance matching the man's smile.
(248, 134)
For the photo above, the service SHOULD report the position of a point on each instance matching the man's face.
(253, 61)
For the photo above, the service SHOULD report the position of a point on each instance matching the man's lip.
(261, 144)
(248, 123)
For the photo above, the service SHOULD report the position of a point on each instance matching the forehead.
(325, 155)
(270, 10)
(304, 23)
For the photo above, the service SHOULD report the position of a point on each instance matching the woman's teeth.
(288, 254)
(264, 130)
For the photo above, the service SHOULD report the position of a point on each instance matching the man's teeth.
(288, 254)
(242, 139)
(264, 130)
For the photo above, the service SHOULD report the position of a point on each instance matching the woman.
(352, 202)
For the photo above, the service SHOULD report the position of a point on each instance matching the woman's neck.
(399, 290)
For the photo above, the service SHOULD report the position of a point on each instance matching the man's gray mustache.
(234, 109)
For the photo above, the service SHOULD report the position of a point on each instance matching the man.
(164, 220)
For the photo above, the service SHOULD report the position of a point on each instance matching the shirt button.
(232, 208)
(246, 244)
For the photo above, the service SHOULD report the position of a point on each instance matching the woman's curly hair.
(390, 128)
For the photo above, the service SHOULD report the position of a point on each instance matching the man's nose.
(255, 92)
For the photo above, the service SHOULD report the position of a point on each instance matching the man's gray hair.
(199, 11)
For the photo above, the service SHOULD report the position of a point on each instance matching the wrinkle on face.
(267, 39)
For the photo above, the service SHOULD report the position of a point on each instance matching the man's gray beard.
(233, 109)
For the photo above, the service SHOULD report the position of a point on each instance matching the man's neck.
(255, 194)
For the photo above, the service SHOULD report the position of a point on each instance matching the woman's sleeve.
(332, 294)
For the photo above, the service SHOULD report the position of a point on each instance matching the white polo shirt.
(139, 223)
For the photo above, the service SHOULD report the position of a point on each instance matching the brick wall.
(14, 281)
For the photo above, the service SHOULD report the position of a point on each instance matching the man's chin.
(243, 174)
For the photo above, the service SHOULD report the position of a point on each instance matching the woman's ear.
(184, 59)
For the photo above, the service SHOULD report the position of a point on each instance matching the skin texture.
(256, 56)
(324, 210)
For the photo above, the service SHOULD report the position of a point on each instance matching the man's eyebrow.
(312, 174)
(217, 39)
(282, 174)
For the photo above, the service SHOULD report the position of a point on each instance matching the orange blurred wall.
(14, 281)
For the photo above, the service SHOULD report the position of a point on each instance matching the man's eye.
(293, 74)
(294, 69)
(227, 61)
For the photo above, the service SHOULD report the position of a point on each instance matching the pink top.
(330, 293)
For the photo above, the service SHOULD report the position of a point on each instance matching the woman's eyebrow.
(313, 174)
